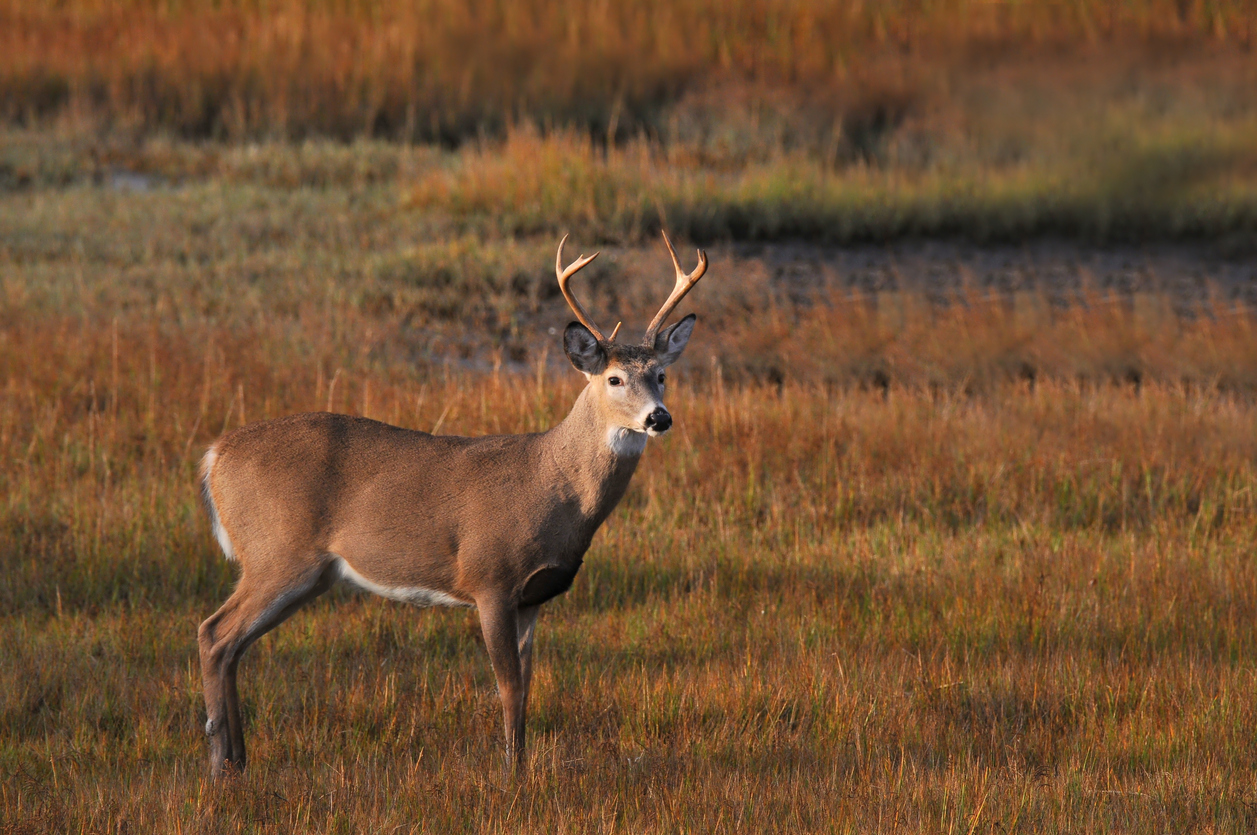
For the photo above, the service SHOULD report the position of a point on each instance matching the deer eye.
(615, 381)
(662, 377)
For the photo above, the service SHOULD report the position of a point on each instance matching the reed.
(441, 70)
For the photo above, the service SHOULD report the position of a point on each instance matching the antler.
(685, 283)
(564, 275)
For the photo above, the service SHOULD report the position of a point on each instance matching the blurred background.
(413, 164)
(807, 119)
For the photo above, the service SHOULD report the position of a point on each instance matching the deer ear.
(583, 349)
(672, 341)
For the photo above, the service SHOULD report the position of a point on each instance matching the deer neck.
(596, 460)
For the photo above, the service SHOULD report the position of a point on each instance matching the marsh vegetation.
(955, 528)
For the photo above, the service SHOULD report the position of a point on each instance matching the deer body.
(500, 523)
(402, 509)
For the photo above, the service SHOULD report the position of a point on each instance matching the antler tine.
(566, 273)
(685, 283)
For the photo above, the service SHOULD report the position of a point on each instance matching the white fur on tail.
(220, 533)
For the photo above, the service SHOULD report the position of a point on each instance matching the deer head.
(627, 381)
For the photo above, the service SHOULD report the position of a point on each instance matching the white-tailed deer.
(500, 523)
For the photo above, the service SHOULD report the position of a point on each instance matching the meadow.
(954, 532)
(971, 561)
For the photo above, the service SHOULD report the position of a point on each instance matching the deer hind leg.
(256, 606)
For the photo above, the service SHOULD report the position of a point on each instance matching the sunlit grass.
(441, 70)
(817, 608)
(834, 122)
(1175, 183)
(977, 563)
(1134, 177)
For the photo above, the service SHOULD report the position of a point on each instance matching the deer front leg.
(498, 620)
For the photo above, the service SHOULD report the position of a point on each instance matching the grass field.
(941, 542)
(975, 563)
(441, 70)
(817, 609)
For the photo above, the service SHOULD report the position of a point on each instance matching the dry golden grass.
(445, 70)
(846, 121)
(818, 609)
(976, 566)
(1131, 179)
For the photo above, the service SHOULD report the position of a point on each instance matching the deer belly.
(407, 594)
(547, 583)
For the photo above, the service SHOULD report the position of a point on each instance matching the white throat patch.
(626, 442)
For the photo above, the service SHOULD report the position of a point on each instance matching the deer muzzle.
(658, 421)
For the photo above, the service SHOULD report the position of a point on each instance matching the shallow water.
(1189, 275)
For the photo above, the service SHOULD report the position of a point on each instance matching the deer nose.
(659, 420)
